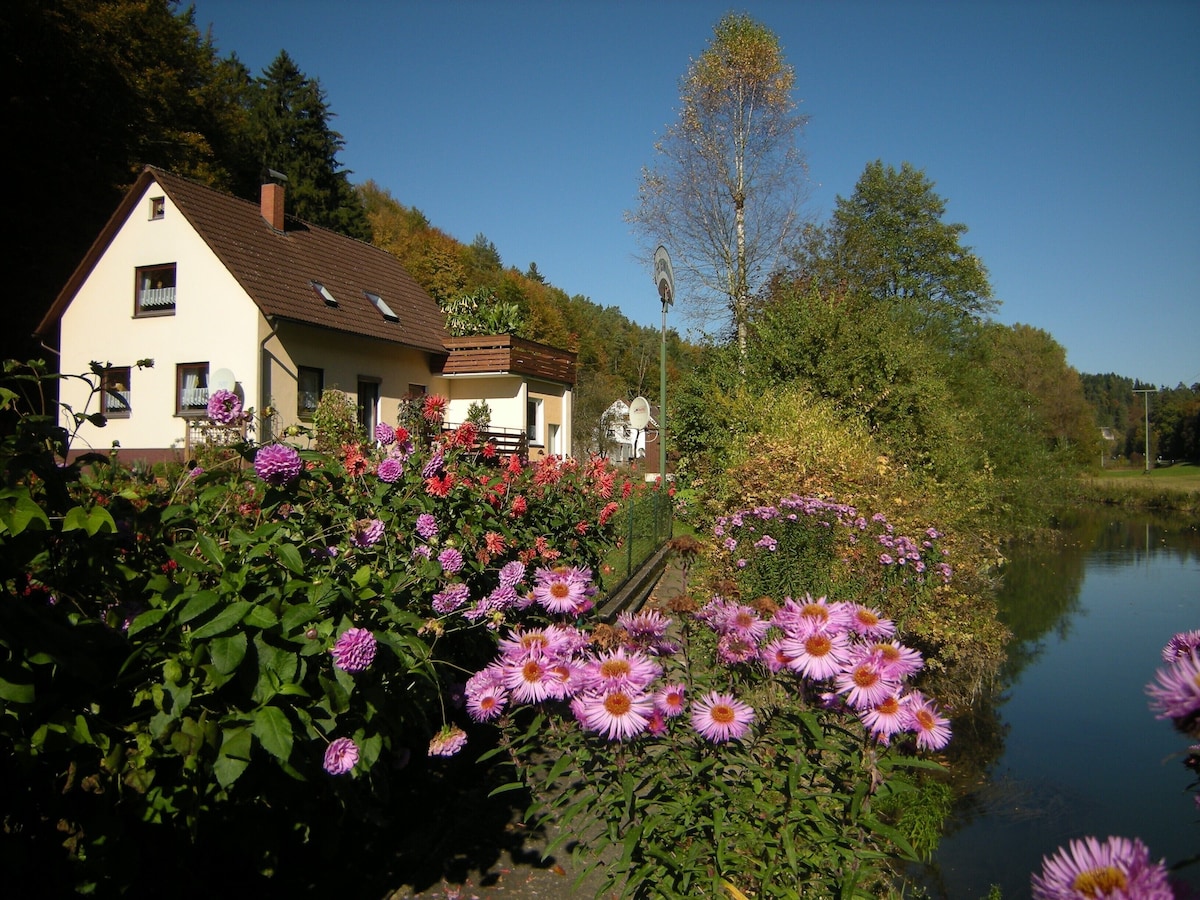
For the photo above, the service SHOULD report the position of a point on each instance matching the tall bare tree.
(726, 195)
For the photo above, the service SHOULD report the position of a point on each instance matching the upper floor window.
(155, 291)
(114, 392)
(309, 384)
(191, 389)
(158, 207)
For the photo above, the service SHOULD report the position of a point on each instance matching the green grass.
(1180, 477)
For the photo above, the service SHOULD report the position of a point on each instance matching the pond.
(1068, 746)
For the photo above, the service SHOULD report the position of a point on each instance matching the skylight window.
(323, 293)
(381, 305)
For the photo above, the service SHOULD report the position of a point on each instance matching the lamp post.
(665, 279)
(1146, 400)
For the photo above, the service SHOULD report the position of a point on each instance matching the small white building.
(224, 292)
(628, 443)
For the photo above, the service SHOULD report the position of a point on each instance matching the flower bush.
(183, 657)
(762, 738)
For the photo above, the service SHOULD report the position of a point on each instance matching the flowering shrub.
(188, 656)
(754, 741)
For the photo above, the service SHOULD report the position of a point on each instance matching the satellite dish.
(664, 276)
(222, 380)
(639, 413)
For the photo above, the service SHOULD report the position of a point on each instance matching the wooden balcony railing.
(486, 354)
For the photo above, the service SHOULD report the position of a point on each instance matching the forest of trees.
(1120, 405)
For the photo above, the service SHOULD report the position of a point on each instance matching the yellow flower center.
(889, 707)
(865, 676)
(925, 719)
(617, 704)
(559, 589)
(818, 645)
(531, 671)
(868, 618)
(1099, 882)
(614, 668)
(722, 714)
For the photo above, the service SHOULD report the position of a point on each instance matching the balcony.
(504, 353)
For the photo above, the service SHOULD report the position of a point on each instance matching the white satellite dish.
(639, 413)
(222, 380)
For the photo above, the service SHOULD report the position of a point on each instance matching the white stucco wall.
(214, 322)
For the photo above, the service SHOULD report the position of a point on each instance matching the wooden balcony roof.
(489, 354)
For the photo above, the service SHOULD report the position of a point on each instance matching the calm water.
(1069, 747)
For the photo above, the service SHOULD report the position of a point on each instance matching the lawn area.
(1179, 477)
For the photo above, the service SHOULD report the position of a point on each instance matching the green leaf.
(23, 512)
(273, 730)
(233, 757)
(228, 652)
(290, 557)
(211, 550)
(226, 619)
(201, 602)
(16, 691)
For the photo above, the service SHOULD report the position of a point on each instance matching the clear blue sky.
(1065, 135)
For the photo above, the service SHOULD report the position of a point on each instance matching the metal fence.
(643, 524)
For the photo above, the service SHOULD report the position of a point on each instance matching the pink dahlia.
(367, 533)
(277, 464)
(390, 470)
(1118, 868)
(224, 407)
(385, 434)
(341, 756)
(354, 650)
(721, 717)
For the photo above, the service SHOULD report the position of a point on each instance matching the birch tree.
(726, 192)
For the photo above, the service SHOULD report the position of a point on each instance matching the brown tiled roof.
(276, 269)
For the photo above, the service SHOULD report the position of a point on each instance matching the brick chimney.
(272, 205)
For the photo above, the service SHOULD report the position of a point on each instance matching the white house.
(629, 443)
(223, 292)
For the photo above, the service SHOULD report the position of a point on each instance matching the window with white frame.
(191, 389)
(533, 420)
(158, 207)
(115, 399)
(155, 295)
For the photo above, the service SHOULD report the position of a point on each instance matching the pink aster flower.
(1176, 693)
(887, 717)
(895, 660)
(669, 700)
(774, 656)
(390, 469)
(735, 647)
(868, 622)
(721, 717)
(224, 407)
(1181, 645)
(932, 730)
(277, 464)
(621, 669)
(486, 704)
(864, 684)
(1116, 868)
(448, 741)
(341, 756)
(354, 650)
(560, 590)
(617, 714)
(530, 681)
(817, 656)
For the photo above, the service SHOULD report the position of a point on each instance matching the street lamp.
(1146, 401)
(665, 279)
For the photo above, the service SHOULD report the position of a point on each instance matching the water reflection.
(1066, 745)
